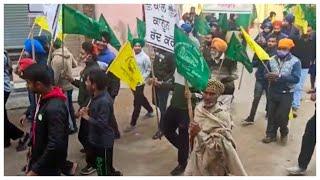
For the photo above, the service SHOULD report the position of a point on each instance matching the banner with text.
(160, 22)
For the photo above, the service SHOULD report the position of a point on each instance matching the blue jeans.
(297, 95)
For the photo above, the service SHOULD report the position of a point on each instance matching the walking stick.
(154, 95)
(190, 111)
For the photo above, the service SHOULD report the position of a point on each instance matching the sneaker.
(284, 140)
(178, 170)
(267, 139)
(116, 173)
(149, 115)
(247, 122)
(23, 143)
(129, 129)
(88, 170)
(157, 135)
(296, 171)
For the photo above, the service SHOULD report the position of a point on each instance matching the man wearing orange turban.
(277, 30)
(284, 73)
(223, 69)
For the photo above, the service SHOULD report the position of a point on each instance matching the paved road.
(137, 154)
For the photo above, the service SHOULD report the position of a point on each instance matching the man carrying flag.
(284, 73)
(140, 100)
(261, 83)
(191, 66)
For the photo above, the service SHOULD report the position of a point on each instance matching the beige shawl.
(214, 151)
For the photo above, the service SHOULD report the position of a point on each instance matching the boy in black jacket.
(98, 114)
(50, 126)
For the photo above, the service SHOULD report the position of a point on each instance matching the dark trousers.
(101, 159)
(10, 130)
(113, 122)
(308, 143)
(162, 98)
(71, 109)
(278, 113)
(83, 133)
(258, 91)
(139, 101)
(177, 118)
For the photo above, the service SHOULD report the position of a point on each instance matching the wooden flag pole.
(220, 68)
(154, 95)
(187, 90)
(33, 50)
(190, 112)
(50, 53)
(40, 32)
(241, 77)
(23, 49)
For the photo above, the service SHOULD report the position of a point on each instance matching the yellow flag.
(42, 22)
(262, 55)
(291, 115)
(125, 67)
(300, 21)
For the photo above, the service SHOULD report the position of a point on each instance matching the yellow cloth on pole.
(300, 21)
(42, 22)
(125, 67)
(262, 55)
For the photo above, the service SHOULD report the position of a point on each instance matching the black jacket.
(84, 97)
(50, 134)
(305, 51)
(164, 67)
(101, 134)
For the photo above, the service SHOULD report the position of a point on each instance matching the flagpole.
(33, 50)
(40, 32)
(154, 95)
(23, 49)
(220, 68)
(190, 112)
(241, 77)
(49, 55)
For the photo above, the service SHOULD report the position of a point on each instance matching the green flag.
(130, 37)
(141, 28)
(75, 22)
(113, 38)
(223, 22)
(309, 14)
(237, 52)
(201, 26)
(190, 62)
(243, 20)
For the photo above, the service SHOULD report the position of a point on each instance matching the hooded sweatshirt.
(144, 64)
(62, 66)
(50, 134)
